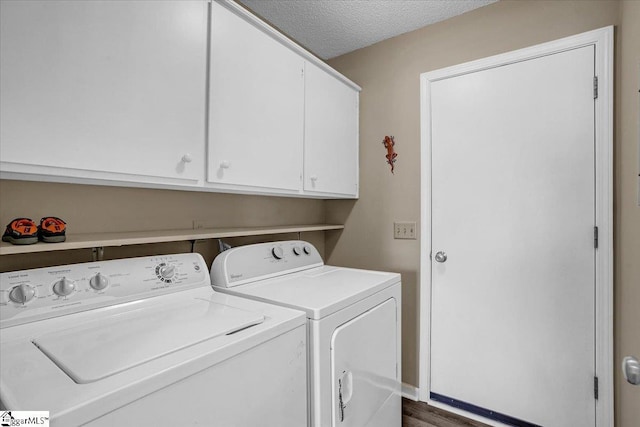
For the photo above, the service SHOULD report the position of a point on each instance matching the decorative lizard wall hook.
(388, 143)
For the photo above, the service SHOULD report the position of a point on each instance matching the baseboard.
(410, 392)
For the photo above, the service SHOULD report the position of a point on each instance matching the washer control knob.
(306, 249)
(98, 282)
(277, 252)
(64, 287)
(22, 294)
(296, 250)
(167, 271)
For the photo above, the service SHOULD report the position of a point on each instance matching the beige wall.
(389, 105)
(88, 208)
(627, 212)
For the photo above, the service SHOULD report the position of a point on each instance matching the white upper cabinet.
(182, 94)
(331, 135)
(110, 90)
(256, 107)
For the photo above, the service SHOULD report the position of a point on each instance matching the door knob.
(441, 256)
(631, 369)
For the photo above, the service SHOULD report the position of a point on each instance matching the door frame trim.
(602, 40)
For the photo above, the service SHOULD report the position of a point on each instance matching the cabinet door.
(331, 134)
(104, 89)
(256, 107)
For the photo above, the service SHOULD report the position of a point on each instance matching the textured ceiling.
(330, 28)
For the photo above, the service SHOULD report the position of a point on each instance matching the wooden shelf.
(97, 240)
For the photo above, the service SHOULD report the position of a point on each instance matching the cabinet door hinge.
(595, 387)
(595, 87)
(595, 237)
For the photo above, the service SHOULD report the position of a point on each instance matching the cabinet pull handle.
(187, 158)
(313, 178)
(226, 164)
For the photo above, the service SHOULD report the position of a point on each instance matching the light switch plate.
(404, 230)
(202, 223)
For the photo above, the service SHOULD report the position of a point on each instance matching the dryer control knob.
(98, 282)
(277, 252)
(22, 294)
(64, 287)
(296, 250)
(306, 249)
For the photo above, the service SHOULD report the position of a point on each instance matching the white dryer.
(353, 326)
(146, 341)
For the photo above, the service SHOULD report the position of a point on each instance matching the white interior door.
(512, 306)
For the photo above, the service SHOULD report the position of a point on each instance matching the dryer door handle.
(345, 391)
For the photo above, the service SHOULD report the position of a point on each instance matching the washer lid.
(97, 350)
(320, 291)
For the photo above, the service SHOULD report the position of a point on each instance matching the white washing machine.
(353, 326)
(146, 341)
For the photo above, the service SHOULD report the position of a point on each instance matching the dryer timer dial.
(277, 252)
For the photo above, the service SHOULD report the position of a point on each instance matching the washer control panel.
(41, 293)
(246, 264)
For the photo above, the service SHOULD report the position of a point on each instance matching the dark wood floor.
(419, 414)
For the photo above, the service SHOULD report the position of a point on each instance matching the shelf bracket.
(97, 253)
(193, 244)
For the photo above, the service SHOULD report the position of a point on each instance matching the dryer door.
(366, 384)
